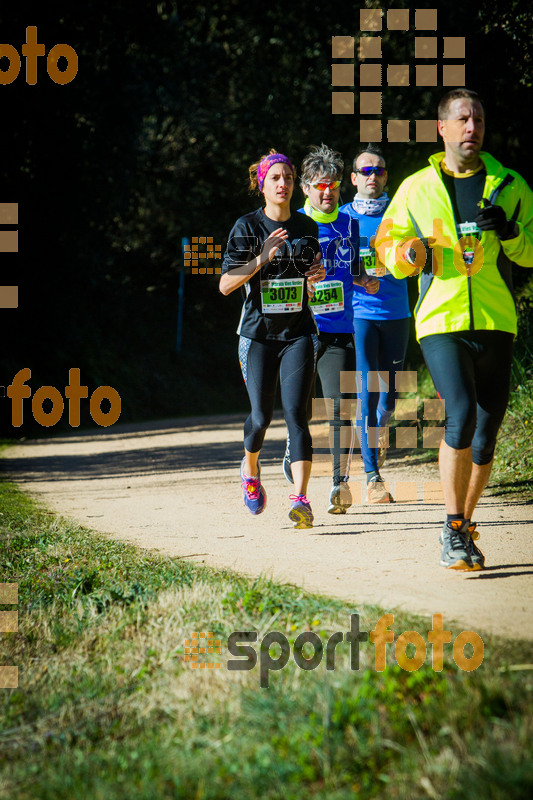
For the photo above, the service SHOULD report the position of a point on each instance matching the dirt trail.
(174, 486)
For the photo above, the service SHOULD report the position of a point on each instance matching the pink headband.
(269, 161)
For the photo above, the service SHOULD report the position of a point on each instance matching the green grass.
(107, 706)
(513, 464)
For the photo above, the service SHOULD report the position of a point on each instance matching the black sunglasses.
(369, 170)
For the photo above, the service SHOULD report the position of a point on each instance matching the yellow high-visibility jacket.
(453, 297)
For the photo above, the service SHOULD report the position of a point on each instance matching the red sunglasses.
(323, 186)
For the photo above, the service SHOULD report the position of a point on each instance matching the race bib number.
(368, 256)
(469, 229)
(471, 234)
(280, 295)
(328, 297)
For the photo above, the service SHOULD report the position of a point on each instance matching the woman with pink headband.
(273, 256)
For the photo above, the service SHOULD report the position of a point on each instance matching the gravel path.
(174, 486)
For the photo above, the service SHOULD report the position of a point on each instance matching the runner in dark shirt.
(274, 257)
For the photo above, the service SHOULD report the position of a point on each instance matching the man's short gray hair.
(321, 161)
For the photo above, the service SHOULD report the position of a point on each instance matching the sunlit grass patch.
(109, 707)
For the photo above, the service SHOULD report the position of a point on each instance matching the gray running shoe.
(340, 498)
(287, 464)
(477, 557)
(455, 548)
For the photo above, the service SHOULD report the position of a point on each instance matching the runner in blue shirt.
(321, 176)
(381, 321)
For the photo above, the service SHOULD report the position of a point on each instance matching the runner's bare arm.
(370, 283)
(367, 282)
(316, 273)
(237, 277)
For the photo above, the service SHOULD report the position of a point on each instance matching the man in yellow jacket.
(459, 225)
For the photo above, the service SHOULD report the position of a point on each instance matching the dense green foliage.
(150, 143)
(108, 707)
(514, 453)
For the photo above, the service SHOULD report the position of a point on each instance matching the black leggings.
(471, 371)
(336, 354)
(294, 362)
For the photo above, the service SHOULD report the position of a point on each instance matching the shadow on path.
(138, 461)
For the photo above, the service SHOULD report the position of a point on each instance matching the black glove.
(492, 218)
